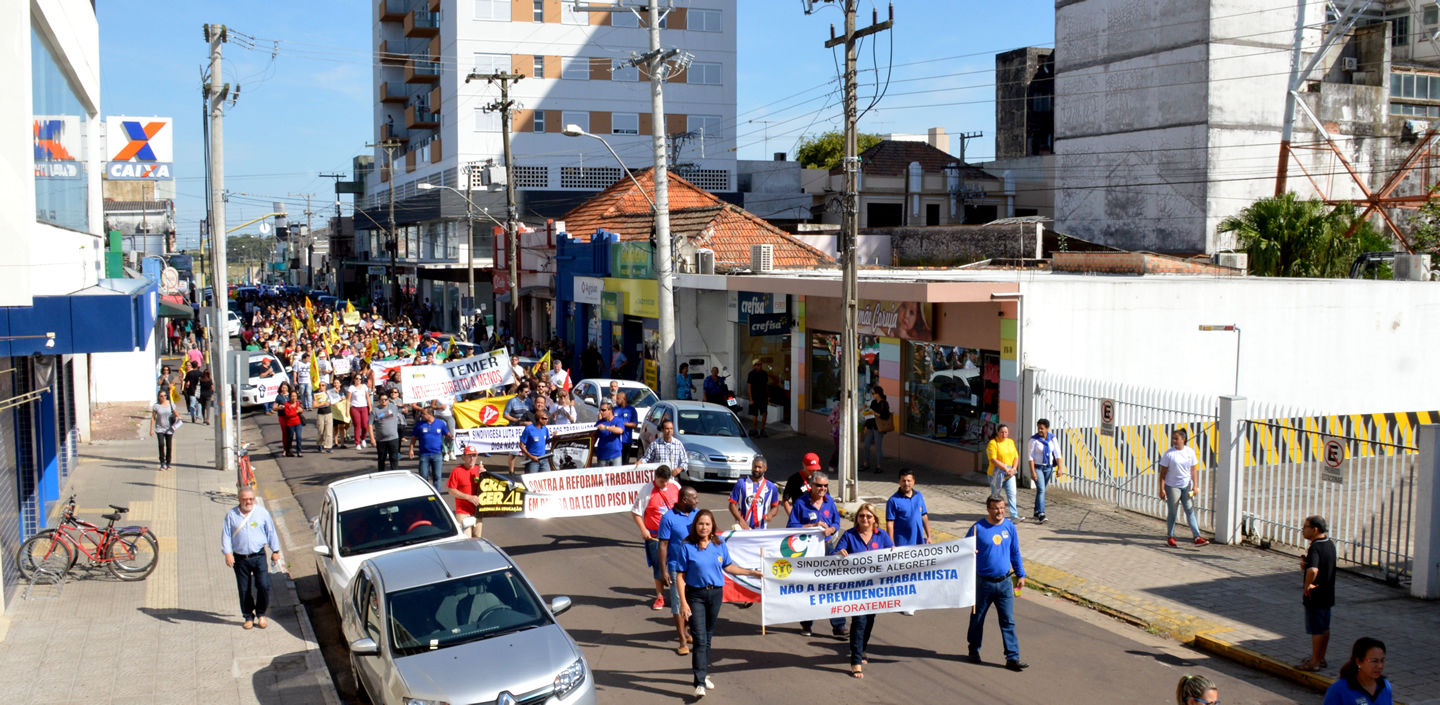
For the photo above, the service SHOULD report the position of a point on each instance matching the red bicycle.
(129, 552)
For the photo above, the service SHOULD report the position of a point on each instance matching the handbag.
(885, 424)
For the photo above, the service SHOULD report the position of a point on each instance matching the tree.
(1425, 227)
(825, 151)
(248, 249)
(1287, 237)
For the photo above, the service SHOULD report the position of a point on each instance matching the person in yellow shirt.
(1004, 461)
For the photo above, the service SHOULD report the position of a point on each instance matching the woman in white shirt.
(563, 408)
(1177, 485)
(359, 410)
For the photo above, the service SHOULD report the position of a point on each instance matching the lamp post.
(1229, 328)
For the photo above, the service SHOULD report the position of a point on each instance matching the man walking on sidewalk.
(997, 553)
(1045, 464)
(1318, 566)
(247, 530)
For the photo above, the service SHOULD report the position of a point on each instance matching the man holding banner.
(997, 553)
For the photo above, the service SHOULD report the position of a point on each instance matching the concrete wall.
(703, 330)
(1329, 345)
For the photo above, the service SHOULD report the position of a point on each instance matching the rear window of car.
(388, 525)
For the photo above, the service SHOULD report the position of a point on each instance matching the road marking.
(162, 588)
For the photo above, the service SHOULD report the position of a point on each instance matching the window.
(531, 176)
(486, 64)
(61, 122)
(625, 124)
(539, 69)
(576, 68)
(705, 73)
(707, 126)
(625, 73)
(624, 19)
(589, 177)
(539, 13)
(569, 15)
(703, 20)
(537, 124)
(487, 121)
(492, 10)
(575, 117)
(952, 394)
(1040, 103)
(1401, 28)
(825, 368)
(1431, 15)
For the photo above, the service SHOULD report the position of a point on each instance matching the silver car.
(719, 448)
(459, 623)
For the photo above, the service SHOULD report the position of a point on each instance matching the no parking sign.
(1333, 454)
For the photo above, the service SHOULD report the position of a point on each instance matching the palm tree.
(1287, 237)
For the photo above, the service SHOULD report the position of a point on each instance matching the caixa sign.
(131, 171)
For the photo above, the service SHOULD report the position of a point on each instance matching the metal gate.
(1366, 490)
(1122, 468)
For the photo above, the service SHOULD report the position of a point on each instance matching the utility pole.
(505, 106)
(215, 94)
(849, 233)
(309, 242)
(965, 138)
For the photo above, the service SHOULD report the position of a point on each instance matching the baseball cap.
(812, 461)
(470, 450)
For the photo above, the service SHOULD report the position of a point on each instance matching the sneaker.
(709, 683)
(658, 604)
(1016, 665)
(806, 632)
(699, 691)
(1201, 541)
(908, 613)
(1019, 520)
(1171, 542)
(838, 633)
(1042, 519)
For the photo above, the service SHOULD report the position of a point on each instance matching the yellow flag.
(489, 411)
(314, 372)
(541, 366)
(349, 307)
(450, 351)
(309, 307)
(175, 394)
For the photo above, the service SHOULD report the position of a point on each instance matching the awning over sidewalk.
(169, 308)
(116, 315)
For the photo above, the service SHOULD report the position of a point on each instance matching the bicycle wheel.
(44, 552)
(132, 555)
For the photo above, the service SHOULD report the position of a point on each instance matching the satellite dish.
(264, 228)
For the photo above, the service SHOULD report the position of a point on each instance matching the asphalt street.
(1076, 655)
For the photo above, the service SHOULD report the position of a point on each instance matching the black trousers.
(252, 577)
(704, 613)
(166, 442)
(388, 450)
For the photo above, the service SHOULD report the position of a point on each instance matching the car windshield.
(389, 525)
(462, 610)
(640, 397)
(257, 367)
(705, 422)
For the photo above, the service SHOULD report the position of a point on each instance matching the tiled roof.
(893, 157)
(696, 215)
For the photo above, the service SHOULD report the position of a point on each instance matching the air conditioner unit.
(493, 175)
(762, 258)
(1233, 260)
(1351, 63)
(705, 261)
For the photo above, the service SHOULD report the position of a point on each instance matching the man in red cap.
(464, 486)
(799, 483)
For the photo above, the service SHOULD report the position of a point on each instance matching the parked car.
(262, 386)
(458, 622)
(590, 392)
(719, 448)
(370, 515)
(232, 323)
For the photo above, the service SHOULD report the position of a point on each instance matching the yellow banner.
(482, 412)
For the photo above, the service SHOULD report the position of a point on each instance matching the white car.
(232, 323)
(266, 374)
(375, 514)
(589, 393)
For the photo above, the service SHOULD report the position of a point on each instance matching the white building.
(571, 61)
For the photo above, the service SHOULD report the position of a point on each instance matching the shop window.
(61, 124)
(952, 394)
(825, 368)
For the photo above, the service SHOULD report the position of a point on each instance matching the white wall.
(701, 328)
(1328, 345)
(116, 377)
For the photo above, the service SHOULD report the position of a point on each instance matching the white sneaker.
(709, 683)
(908, 613)
(699, 691)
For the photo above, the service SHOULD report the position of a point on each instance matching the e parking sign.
(1107, 417)
(1333, 455)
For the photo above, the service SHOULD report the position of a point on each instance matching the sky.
(304, 74)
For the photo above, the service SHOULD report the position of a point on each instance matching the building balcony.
(409, 162)
(390, 132)
(393, 92)
(393, 10)
(422, 71)
(391, 58)
(421, 118)
(436, 153)
(422, 23)
(434, 99)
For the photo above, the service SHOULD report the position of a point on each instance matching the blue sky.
(304, 106)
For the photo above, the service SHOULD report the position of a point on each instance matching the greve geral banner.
(929, 576)
(470, 374)
(748, 547)
(563, 493)
(506, 439)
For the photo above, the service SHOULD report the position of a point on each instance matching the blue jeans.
(873, 437)
(430, 469)
(1001, 594)
(1044, 475)
(252, 577)
(293, 437)
(998, 484)
(1174, 497)
(836, 623)
(307, 396)
(860, 628)
(536, 465)
(704, 613)
(193, 403)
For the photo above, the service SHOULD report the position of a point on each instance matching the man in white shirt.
(1045, 464)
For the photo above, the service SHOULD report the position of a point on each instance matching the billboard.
(139, 148)
(59, 146)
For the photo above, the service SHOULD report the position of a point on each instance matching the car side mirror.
(467, 522)
(590, 401)
(322, 550)
(559, 604)
(364, 647)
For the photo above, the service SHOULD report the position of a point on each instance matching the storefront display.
(952, 394)
(825, 368)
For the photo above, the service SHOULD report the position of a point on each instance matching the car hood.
(479, 671)
(718, 445)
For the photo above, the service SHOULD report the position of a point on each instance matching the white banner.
(933, 576)
(381, 368)
(469, 374)
(748, 545)
(339, 366)
(584, 492)
(506, 439)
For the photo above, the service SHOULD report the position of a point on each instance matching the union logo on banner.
(489, 415)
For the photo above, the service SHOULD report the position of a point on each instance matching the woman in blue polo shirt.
(866, 535)
(700, 563)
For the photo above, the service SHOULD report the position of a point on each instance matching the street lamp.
(470, 209)
(1229, 328)
(573, 130)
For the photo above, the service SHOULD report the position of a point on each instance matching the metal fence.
(1123, 468)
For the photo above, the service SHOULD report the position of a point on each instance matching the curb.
(1260, 662)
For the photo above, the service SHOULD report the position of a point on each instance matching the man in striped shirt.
(666, 449)
(755, 499)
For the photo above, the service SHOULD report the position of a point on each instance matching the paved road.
(1077, 656)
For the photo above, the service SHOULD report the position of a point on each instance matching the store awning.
(170, 309)
(116, 315)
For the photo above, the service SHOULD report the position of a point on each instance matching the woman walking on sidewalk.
(207, 393)
(287, 407)
(163, 419)
(1177, 485)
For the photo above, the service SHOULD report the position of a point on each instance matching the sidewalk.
(1238, 602)
(174, 637)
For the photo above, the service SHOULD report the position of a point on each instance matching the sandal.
(856, 671)
(1309, 666)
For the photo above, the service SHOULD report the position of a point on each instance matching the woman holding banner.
(866, 535)
(698, 564)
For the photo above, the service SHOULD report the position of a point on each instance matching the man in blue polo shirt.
(608, 436)
(674, 527)
(430, 434)
(626, 415)
(906, 518)
(997, 553)
(534, 441)
(817, 508)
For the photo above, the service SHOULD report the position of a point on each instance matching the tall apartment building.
(571, 60)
